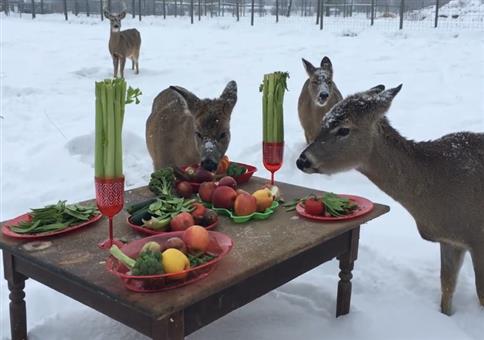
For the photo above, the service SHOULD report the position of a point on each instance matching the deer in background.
(318, 95)
(440, 182)
(123, 44)
(183, 129)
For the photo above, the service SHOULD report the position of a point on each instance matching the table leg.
(346, 264)
(171, 328)
(16, 284)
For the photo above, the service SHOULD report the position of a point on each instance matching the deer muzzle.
(210, 155)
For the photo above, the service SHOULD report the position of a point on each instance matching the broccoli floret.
(148, 263)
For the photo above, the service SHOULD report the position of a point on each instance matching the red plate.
(244, 178)
(220, 245)
(148, 231)
(364, 207)
(26, 217)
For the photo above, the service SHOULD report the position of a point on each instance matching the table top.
(258, 245)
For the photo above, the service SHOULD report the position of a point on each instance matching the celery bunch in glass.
(273, 88)
(111, 97)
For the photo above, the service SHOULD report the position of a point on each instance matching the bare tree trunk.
(289, 9)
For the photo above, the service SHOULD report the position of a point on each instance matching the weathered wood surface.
(258, 245)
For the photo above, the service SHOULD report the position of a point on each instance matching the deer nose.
(302, 162)
(209, 164)
(323, 96)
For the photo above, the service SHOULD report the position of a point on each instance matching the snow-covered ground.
(48, 71)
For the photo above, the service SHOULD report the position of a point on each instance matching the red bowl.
(244, 178)
(148, 231)
(220, 245)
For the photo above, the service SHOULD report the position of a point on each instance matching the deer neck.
(396, 166)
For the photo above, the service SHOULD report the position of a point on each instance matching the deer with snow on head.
(183, 129)
(318, 95)
(440, 182)
(123, 44)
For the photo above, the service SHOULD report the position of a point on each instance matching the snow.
(48, 71)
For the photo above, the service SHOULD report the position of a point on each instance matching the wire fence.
(388, 14)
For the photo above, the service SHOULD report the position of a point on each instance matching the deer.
(123, 44)
(318, 95)
(183, 129)
(440, 182)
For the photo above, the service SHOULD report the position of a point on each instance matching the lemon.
(174, 261)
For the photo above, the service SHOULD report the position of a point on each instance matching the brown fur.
(183, 129)
(440, 182)
(312, 106)
(123, 44)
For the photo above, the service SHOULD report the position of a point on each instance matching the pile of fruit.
(225, 194)
(175, 256)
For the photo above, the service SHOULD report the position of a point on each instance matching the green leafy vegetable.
(147, 263)
(55, 217)
(235, 170)
(334, 204)
(162, 181)
(197, 260)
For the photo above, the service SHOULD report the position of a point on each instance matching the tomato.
(223, 165)
(313, 206)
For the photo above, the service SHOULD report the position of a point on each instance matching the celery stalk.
(109, 166)
(99, 134)
(118, 125)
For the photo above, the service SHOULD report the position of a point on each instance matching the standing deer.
(318, 95)
(183, 129)
(440, 182)
(123, 44)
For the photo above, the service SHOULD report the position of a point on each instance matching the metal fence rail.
(325, 13)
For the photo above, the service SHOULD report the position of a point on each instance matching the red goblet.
(110, 201)
(272, 154)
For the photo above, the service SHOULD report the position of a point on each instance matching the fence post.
(65, 9)
(252, 6)
(164, 9)
(191, 11)
(41, 6)
(199, 10)
(133, 9)
(109, 6)
(33, 9)
(402, 8)
(436, 13)
(139, 9)
(101, 9)
(372, 14)
(237, 9)
(318, 11)
(321, 13)
(277, 10)
(5, 6)
(76, 8)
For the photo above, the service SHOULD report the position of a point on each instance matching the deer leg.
(121, 66)
(115, 65)
(477, 254)
(451, 258)
(132, 64)
(137, 66)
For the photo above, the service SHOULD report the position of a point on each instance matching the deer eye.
(343, 132)
(199, 135)
(222, 135)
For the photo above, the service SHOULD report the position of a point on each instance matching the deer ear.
(308, 67)
(107, 14)
(122, 15)
(391, 93)
(326, 65)
(229, 96)
(190, 99)
(376, 89)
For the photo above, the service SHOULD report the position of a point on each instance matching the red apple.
(224, 197)
(228, 181)
(184, 189)
(181, 221)
(196, 239)
(177, 243)
(202, 175)
(245, 204)
(206, 190)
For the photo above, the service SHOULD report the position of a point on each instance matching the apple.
(197, 239)
(206, 190)
(181, 221)
(223, 197)
(184, 189)
(202, 175)
(177, 243)
(228, 181)
(245, 204)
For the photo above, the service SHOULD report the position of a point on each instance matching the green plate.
(242, 219)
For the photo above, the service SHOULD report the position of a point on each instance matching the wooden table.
(266, 255)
